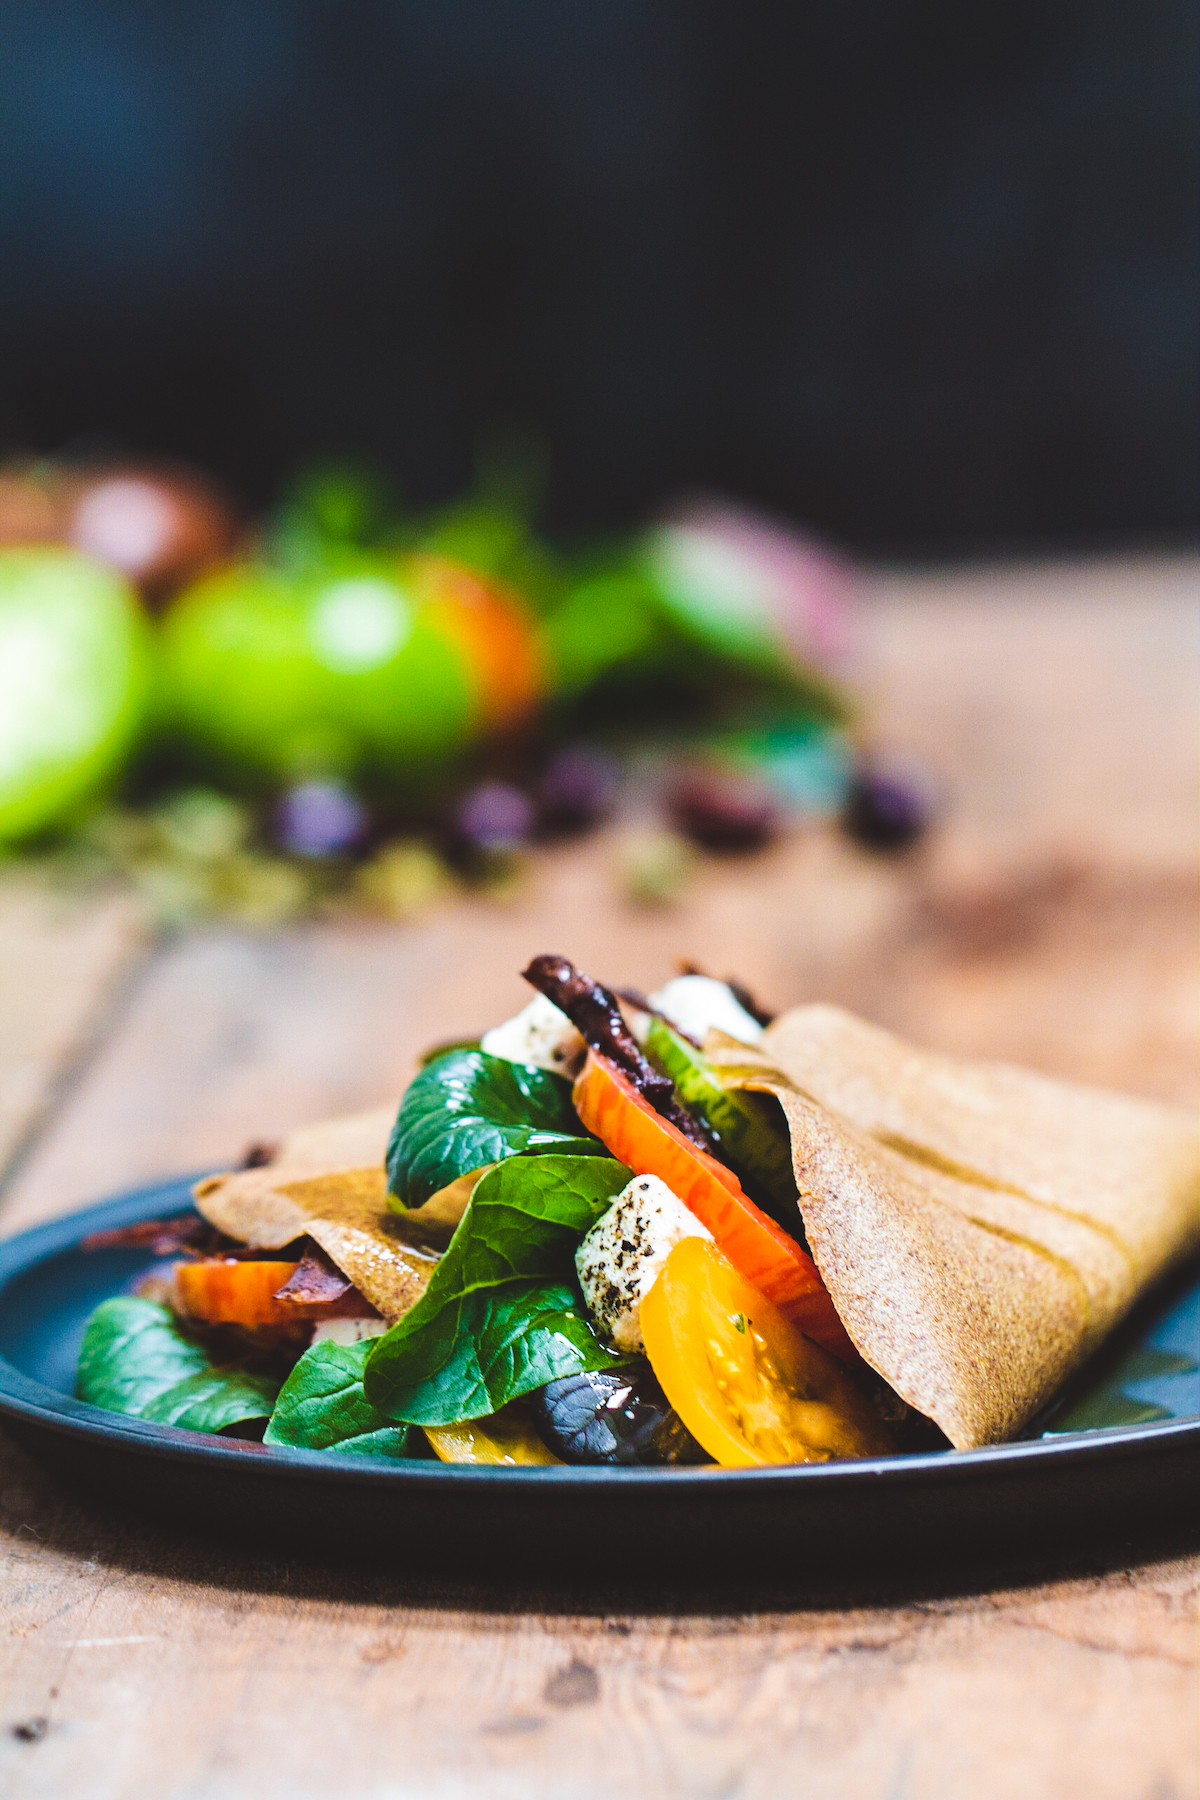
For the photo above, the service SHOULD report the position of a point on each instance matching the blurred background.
(919, 274)
(441, 426)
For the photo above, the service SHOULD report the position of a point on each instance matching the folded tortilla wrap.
(327, 1183)
(980, 1227)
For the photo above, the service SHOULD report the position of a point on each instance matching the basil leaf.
(136, 1359)
(466, 1109)
(322, 1406)
(502, 1314)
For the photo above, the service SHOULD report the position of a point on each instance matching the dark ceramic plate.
(1116, 1459)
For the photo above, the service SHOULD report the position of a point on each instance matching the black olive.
(613, 1416)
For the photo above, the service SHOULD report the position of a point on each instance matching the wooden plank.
(236, 1037)
(63, 958)
(1059, 705)
(181, 1668)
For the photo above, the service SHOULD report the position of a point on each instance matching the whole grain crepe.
(328, 1183)
(979, 1227)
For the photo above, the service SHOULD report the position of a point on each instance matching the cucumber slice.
(758, 1150)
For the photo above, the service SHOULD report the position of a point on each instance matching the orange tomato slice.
(611, 1107)
(225, 1290)
(749, 1387)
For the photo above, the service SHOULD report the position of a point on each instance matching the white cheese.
(619, 1260)
(539, 1034)
(696, 1003)
(347, 1331)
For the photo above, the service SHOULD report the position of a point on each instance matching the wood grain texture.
(1050, 919)
(62, 959)
(181, 1669)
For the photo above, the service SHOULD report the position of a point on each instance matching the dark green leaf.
(758, 1150)
(322, 1406)
(502, 1313)
(214, 1399)
(135, 1359)
(467, 1109)
(132, 1352)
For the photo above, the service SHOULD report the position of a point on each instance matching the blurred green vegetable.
(74, 665)
(335, 670)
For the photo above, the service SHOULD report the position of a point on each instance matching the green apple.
(74, 665)
(334, 669)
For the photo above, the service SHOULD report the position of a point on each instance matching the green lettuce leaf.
(467, 1109)
(135, 1359)
(502, 1314)
(322, 1406)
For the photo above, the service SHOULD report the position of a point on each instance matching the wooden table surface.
(1051, 918)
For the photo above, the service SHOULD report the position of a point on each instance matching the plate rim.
(23, 1398)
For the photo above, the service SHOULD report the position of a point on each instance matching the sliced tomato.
(611, 1107)
(748, 1385)
(227, 1290)
(505, 1437)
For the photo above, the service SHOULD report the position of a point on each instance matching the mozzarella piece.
(347, 1331)
(539, 1034)
(619, 1260)
(696, 1003)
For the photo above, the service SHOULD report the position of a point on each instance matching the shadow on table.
(43, 1510)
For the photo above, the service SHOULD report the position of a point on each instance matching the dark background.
(920, 272)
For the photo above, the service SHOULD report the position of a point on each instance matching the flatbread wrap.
(979, 1227)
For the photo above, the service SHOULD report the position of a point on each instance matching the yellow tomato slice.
(749, 1387)
(503, 1437)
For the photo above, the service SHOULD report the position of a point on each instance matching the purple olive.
(885, 811)
(616, 1415)
(722, 810)
(495, 816)
(320, 818)
(577, 789)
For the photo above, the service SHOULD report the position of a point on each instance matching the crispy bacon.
(595, 1014)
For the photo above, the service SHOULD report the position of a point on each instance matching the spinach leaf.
(213, 1399)
(136, 1359)
(502, 1314)
(466, 1109)
(322, 1406)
